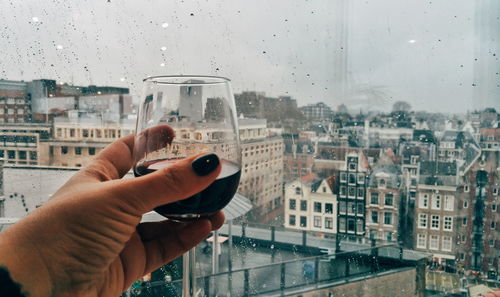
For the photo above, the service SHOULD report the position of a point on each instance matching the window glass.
(387, 218)
(292, 204)
(303, 205)
(422, 220)
(388, 199)
(374, 198)
(374, 216)
(317, 206)
(328, 208)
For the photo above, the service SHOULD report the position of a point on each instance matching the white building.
(311, 205)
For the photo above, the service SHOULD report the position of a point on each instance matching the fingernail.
(205, 164)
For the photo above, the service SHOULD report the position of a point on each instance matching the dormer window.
(381, 183)
(298, 191)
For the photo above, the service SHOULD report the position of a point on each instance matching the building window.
(388, 199)
(328, 208)
(361, 208)
(446, 244)
(495, 191)
(374, 198)
(351, 225)
(361, 178)
(342, 225)
(324, 189)
(291, 220)
(374, 216)
(22, 155)
(11, 154)
(493, 225)
(298, 191)
(422, 221)
(352, 192)
(464, 221)
(434, 242)
(423, 201)
(361, 192)
(85, 133)
(303, 205)
(343, 177)
(435, 222)
(352, 166)
(466, 204)
(491, 243)
(303, 221)
(466, 188)
(91, 151)
(463, 239)
(342, 191)
(422, 241)
(317, 206)
(64, 150)
(381, 183)
(448, 202)
(342, 207)
(78, 150)
(360, 228)
(494, 207)
(388, 218)
(448, 223)
(351, 207)
(317, 222)
(328, 223)
(352, 178)
(292, 204)
(436, 202)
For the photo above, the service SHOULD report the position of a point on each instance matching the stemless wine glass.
(182, 116)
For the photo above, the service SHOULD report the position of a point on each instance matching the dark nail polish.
(205, 164)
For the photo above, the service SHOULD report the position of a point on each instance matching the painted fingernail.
(205, 164)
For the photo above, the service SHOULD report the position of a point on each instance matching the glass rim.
(169, 79)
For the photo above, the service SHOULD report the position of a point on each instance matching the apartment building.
(383, 203)
(310, 204)
(436, 211)
(21, 143)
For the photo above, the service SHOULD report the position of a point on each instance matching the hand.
(87, 240)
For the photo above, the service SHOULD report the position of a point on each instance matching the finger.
(117, 158)
(174, 242)
(166, 185)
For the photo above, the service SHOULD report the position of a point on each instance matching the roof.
(438, 168)
(301, 147)
(423, 136)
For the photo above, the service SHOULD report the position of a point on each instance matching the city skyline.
(422, 53)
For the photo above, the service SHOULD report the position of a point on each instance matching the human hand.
(87, 240)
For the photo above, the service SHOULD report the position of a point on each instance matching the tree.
(401, 106)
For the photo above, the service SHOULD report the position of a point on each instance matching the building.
(436, 211)
(310, 204)
(478, 233)
(317, 112)
(383, 203)
(298, 157)
(14, 102)
(21, 143)
(262, 169)
(351, 196)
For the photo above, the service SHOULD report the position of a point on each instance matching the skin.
(87, 240)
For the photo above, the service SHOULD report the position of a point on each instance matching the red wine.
(215, 197)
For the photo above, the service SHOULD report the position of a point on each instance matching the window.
(317, 206)
(303, 221)
(352, 178)
(361, 178)
(303, 205)
(343, 177)
(361, 208)
(388, 199)
(493, 225)
(436, 202)
(448, 202)
(423, 201)
(78, 150)
(464, 221)
(324, 189)
(434, 242)
(466, 188)
(292, 204)
(342, 225)
(463, 239)
(381, 183)
(422, 241)
(491, 243)
(359, 226)
(448, 223)
(465, 204)
(435, 222)
(374, 198)
(328, 208)
(64, 150)
(495, 191)
(352, 192)
(422, 221)
(22, 155)
(352, 166)
(342, 191)
(493, 207)
(91, 151)
(11, 154)
(328, 223)
(446, 244)
(298, 191)
(388, 218)
(342, 207)
(351, 207)
(351, 225)
(375, 217)
(361, 192)
(317, 222)
(291, 220)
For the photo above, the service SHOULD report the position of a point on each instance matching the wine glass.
(182, 116)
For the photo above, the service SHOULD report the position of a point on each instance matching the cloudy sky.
(419, 51)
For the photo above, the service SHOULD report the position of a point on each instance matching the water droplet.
(162, 65)
(122, 78)
(163, 48)
(35, 19)
(191, 14)
(164, 25)
(59, 47)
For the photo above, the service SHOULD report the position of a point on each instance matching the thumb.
(174, 182)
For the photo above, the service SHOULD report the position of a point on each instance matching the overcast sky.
(418, 51)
